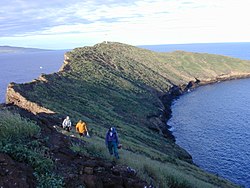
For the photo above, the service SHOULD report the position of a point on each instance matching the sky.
(66, 24)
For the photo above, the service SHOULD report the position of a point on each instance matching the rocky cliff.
(15, 98)
(132, 89)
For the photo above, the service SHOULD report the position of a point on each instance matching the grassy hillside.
(17, 140)
(119, 85)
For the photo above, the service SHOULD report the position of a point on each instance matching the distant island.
(13, 49)
(112, 84)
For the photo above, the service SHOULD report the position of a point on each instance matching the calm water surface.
(213, 124)
(24, 67)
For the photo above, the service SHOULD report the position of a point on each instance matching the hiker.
(81, 128)
(112, 142)
(66, 124)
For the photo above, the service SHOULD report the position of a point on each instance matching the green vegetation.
(119, 85)
(16, 141)
(13, 129)
(161, 170)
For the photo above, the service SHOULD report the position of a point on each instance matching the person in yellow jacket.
(81, 128)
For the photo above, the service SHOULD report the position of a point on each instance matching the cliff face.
(65, 66)
(14, 97)
(132, 89)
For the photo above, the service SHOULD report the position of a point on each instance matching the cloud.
(26, 17)
(134, 22)
(22, 17)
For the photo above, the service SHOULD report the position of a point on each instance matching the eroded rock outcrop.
(14, 97)
(117, 68)
(224, 77)
(65, 66)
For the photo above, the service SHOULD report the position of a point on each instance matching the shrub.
(49, 180)
(22, 153)
(16, 140)
(94, 147)
(13, 127)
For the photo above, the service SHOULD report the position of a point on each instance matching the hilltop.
(114, 84)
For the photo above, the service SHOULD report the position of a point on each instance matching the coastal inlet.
(212, 123)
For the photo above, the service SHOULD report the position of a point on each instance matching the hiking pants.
(112, 146)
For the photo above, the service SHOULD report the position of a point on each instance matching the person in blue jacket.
(112, 142)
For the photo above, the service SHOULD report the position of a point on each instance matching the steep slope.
(113, 84)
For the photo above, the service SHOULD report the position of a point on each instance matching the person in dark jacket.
(112, 142)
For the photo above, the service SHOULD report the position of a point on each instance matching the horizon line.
(139, 45)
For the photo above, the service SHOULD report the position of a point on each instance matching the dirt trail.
(75, 168)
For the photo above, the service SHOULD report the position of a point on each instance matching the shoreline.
(177, 91)
(168, 98)
(240, 180)
(158, 118)
(13, 97)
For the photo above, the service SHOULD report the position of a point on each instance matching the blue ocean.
(213, 122)
(214, 129)
(25, 67)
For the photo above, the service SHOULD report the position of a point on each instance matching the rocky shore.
(76, 168)
(177, 91)
(155, 89)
